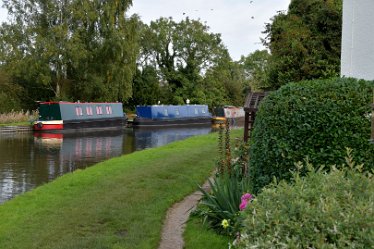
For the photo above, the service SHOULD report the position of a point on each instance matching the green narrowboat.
(75, 115)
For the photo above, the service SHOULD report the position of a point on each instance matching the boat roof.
(74, 103)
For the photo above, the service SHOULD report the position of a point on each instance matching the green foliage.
(9, 94)
(222, 203)
(311, 119)
(191, 63)
(320, 210)
(146, 87)
(200, 236)
(70, 49)
(256, 67)
(8, 103)
(305, 42)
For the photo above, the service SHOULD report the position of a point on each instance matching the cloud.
(240, 22)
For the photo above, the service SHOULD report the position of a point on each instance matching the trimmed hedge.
(333, 210)
(311, 119)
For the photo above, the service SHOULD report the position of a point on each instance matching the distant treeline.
(93, 51)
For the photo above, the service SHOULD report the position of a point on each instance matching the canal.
(28, 159)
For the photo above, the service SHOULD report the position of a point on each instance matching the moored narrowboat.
(75, 115)
(172, 115)
(235, 115)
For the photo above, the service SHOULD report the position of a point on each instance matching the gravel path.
(176, 218)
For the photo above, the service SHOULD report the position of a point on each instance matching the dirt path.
(176, 218)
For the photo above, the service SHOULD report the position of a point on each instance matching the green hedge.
(314, 119)
(333, 210)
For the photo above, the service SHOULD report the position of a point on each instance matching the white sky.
(240, 22)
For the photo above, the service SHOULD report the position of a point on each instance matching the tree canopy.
(305, 42)
(255, 67)
(76, 49)
(190, 63)
(90, 50)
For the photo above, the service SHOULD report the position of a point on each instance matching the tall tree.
(181, 53)
(146, 86)
(256, 69)
(305, 42)
(77, 48)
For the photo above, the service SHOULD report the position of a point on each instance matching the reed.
(18, 116)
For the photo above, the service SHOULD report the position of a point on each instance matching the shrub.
(315, 119)
(222, 203)
(333, 210)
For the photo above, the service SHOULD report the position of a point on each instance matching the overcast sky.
(240, 22)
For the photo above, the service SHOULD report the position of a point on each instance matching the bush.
(333, 210)
(222, 204)
(314, 119)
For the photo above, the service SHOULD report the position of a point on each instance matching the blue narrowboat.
(75, 115)
(172, 115)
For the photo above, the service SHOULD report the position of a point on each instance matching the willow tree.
(80, 49)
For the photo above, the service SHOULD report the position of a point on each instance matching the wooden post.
(372, 123)
(246, 128)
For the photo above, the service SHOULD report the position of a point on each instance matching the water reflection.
(28, 160)
(145, 138)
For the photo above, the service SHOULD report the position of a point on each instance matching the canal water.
(28, 159)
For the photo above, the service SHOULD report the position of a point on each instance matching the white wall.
(357, 59)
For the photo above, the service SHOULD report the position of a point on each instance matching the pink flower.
(245, 199)
(243, 205)
(246, 196)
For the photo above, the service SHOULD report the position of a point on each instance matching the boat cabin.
(61, 115)
(172, 111)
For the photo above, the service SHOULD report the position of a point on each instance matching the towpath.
(176, 218)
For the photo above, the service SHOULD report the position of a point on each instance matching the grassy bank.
(119, 203)
(199, 236)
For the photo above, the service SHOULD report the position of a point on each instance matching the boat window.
(99, 110)
(166, 112)
(89, 110)
(203, 110)
(78, 111)
(108, 109)
(196, 111)
(177, 112)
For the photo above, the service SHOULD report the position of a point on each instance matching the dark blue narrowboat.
(172, 115)
(75, 115)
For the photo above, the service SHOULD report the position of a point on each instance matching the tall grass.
(18, 116)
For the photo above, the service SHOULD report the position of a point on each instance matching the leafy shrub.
(222, 203)
(333, 210)
(314, 119)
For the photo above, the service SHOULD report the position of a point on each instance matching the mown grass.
(119, 203)
(199, 236)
